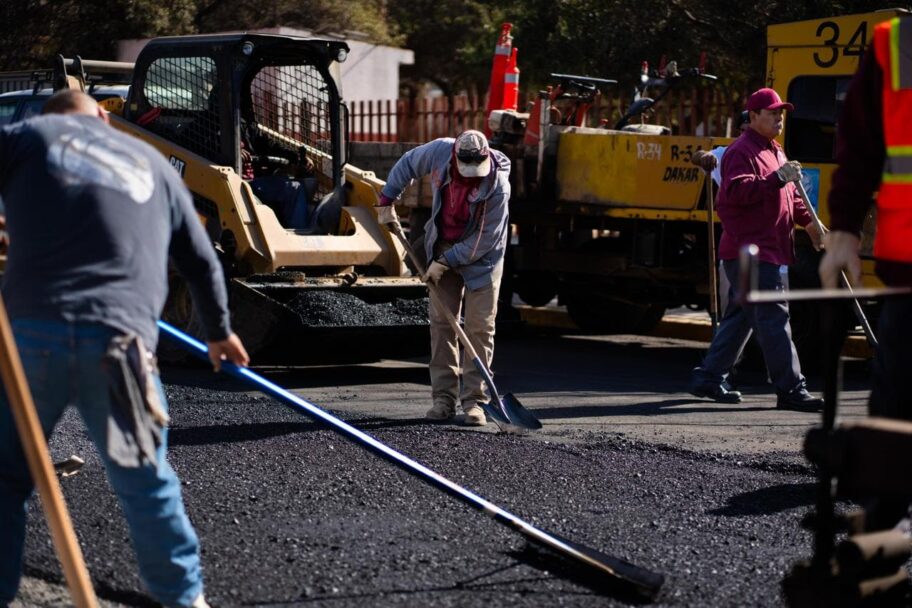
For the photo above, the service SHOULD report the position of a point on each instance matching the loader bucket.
(321, 321)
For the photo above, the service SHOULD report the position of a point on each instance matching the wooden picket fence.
(710, 112)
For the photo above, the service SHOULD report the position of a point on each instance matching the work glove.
(436, 271)
(841, 254)
(705, 160)
(789, 172)
(386, 215)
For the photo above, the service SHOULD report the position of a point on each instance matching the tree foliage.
(453, 40)
(32, 32)
(610, 38)
(321, 16)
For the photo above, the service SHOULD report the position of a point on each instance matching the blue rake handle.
(609, 568)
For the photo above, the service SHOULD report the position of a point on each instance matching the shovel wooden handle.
(34, 446)
(450, 317)
(711, 252)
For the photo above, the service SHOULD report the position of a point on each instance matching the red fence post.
(389, 121)
(693, 112)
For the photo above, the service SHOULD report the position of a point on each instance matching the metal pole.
(711, 232)
(856, 307)
(34, 446)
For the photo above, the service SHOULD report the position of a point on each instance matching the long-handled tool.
(34, 446)
(711, 252)
(856, 306)
(506, 411)
(749, 294)
(603, 570)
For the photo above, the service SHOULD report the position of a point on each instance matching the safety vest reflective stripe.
(898, 165)
(893, 52)
(901, 53)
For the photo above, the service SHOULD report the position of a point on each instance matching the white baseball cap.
(473, 158)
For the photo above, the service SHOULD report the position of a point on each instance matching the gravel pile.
(292, 514)
(336, 308)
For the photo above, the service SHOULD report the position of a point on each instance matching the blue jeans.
(63, 364)
(769, 321)
(289, 198)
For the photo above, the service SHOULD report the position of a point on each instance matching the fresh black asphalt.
(292, 514)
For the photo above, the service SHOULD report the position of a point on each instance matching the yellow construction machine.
(255, 125)
(608, 219)
(613, 219)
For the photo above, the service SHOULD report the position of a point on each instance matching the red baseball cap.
(767, 99)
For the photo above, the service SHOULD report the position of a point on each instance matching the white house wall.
(370, 73)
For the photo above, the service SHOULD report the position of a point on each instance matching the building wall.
(380, 157)
(371, 71)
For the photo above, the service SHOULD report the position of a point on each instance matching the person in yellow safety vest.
(874, 150)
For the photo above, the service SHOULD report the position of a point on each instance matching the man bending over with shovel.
(465, 240)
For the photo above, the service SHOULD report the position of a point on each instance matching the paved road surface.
(291, 515)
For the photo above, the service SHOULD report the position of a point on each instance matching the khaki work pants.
(480, 311)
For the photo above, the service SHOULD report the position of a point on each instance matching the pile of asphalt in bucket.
(337, 308)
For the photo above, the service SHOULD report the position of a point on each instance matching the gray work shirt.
(484, 242)
(92, 214)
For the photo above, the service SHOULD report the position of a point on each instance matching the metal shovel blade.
(516, 414)
(70, 466)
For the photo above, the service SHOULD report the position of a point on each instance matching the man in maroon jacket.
(758, 204)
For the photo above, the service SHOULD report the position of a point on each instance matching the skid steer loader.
(255, 125)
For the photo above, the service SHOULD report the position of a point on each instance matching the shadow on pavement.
(293, 378)
(766, 501)
(233, 433)
(651, 408)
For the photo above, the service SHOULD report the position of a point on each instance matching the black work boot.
(799, 400)
(716, 392)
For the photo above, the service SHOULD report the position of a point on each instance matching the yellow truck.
(613, 221)
(810, 64)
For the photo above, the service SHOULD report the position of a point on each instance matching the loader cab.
(224, 97)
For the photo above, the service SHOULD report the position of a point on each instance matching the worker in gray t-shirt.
(92, 215)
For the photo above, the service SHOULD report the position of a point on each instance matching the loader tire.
(536, 288)
(606, 315)
(180, 313)
(254, 326)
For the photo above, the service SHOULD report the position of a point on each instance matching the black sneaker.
(716, 392)
(800, 400)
